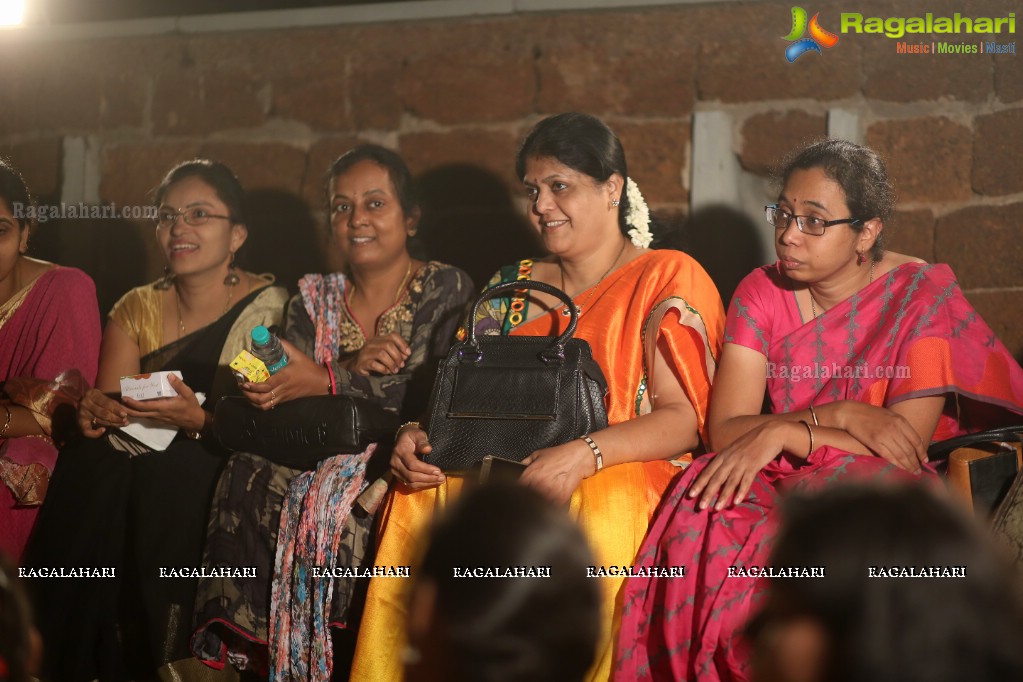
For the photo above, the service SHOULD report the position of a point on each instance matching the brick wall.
(455, 96)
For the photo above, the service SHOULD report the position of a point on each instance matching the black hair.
(585, 144)
(391, 161)
(513, 629)
(215, 174)
(14, 192)
(862, 175)
(896, 630)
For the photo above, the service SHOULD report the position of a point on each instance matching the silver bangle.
(598, 456)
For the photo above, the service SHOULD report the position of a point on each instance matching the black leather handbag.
(508, 396)
(300, 433)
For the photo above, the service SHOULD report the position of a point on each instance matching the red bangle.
(332, 386)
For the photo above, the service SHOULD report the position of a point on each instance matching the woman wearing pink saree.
(49, 349)
(866, 357)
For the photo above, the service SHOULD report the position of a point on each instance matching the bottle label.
(278, 366)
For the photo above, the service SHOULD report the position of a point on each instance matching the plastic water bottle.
(267, 347)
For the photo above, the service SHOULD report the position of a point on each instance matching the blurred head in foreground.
(20, 643)
(852, 626)
(503, 629)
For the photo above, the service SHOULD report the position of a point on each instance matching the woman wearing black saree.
(113, 502)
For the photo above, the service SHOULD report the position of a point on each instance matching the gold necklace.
(401, 286)
(565, 310)
(177, 302)
(813, 307)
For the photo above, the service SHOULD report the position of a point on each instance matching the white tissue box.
(149, 386)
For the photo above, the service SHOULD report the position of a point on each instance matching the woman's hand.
(889, 435)
(381, 355)
(98, 411)
(728, 476)
(556, 472)
(409, 445)
(300, 378)
(182, 411)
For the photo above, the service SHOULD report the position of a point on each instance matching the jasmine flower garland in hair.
(638, 217)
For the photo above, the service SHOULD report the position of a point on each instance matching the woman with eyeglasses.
(866, 356)
(374, 331)
(113, 501)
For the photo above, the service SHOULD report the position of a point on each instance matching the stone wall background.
(456, 96)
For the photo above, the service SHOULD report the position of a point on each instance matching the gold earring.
(232, 277)
(165, 282)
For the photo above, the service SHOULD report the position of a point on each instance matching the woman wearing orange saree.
(654, 321)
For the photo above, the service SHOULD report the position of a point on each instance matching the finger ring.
(93, 422)
(273, 396)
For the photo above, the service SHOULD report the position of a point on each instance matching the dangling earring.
(232, 277)
(167, 281)
(859, 258)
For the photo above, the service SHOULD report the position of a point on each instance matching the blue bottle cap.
(260, 335)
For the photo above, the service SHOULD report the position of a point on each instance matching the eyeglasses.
(781, 218)
(195, 216)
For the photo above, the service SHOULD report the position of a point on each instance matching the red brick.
(492, 151)
(39, 162)
(197, 102)
(463, 85)
(754, 69)
(373, 84)
(260, 165)
(929, 158)
(984, 245)
(320, 98)
(767, 138)
(656, 154)
(998, 152)
(912, 233)
(131, 171)
(642, 67)
(921, 77)
(1008, 77)
(1000, 309)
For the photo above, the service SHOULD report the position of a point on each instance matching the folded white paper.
(153, 434)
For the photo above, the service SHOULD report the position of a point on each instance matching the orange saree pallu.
(662, 295)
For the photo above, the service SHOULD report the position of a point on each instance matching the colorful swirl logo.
(818, 36)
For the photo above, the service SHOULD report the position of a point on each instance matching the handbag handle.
(942, 449)
(556, 353)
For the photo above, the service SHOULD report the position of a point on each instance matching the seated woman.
(49, 347)
(654, 321)
(866, 356)
(850, 626)
(140, 514)
(374, 332)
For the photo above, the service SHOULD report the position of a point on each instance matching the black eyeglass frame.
(801, 219)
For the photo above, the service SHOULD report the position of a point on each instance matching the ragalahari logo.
(818, 36)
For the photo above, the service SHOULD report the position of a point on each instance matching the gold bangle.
(7, 424)
(810, 431)
(598, 457)
(398, 432)
(814, 415)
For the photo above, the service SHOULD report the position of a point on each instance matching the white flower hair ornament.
(638, 217)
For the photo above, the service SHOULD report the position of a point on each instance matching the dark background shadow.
(111, 251)
(470, 221)
(284, 237)
(724, 241)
